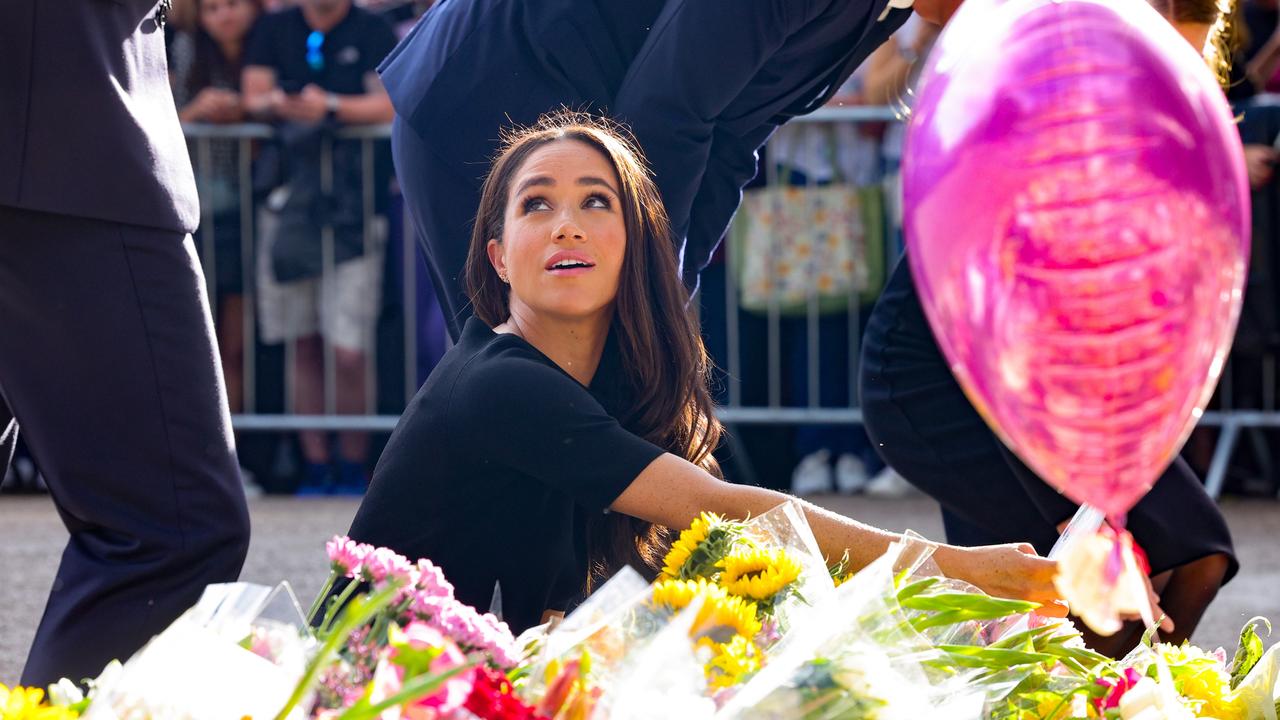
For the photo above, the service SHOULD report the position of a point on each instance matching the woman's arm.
(672, 491)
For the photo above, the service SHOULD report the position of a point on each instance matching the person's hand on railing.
(214, 105)
(309, 106)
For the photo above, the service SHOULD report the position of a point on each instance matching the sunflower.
(760, 575)
(698, 549)
(28, 704)
(730, 662)
(719, 608)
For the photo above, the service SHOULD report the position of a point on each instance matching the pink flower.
(346, 556)
(386, 564)
(420, 636)
(469, 629)
(1118, 687)
(431, 580)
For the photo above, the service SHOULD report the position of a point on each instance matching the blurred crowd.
(305, 252)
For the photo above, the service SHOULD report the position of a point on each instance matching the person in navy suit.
(702, 83)
(107, 358)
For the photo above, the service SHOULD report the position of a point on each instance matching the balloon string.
(1168, 691)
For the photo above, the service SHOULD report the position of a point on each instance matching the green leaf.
(971, 656)
(916, 588)
(413, 689)
(1248, 652)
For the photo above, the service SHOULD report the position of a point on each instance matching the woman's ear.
(497, 258)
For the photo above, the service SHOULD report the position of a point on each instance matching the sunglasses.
(315, 43)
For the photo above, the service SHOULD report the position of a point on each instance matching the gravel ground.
(289, 536)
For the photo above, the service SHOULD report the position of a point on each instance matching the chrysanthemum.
(1201, 679)
(22, 703)
(719, 609)
(758, 574)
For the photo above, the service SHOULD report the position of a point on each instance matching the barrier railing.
(734, 411)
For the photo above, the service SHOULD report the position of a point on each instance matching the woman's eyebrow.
(535, 181)
(593, 180)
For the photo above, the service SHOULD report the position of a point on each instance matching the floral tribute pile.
(746, 621)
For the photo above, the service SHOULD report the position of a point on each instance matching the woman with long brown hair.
(515, 467)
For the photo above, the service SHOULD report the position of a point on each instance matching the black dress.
(923, 426)
(493, 472)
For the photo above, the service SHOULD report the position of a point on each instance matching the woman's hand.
(1260, 161)
(214, 105)
(1008, 571)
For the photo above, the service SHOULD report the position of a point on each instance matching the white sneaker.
(851, 474)
(889, 485)
(812, 475)
(250, 484)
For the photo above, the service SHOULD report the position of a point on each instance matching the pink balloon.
(1077, 222)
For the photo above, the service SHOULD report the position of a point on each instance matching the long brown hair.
(1227, 31)
(665, 365)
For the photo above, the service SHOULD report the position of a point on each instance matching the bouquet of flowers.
(745, 621)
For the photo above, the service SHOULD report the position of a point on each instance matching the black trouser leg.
(108, 362)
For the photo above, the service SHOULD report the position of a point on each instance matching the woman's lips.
(568, 263)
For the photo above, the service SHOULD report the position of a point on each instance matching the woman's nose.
(569, 230)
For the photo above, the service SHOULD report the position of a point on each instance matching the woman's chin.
(573, 309)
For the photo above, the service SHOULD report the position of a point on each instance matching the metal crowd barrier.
(1231, 422)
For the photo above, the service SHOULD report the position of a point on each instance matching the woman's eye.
(535, 203)
(597, 201)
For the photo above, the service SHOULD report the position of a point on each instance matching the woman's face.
(227, 21)
(564, 237)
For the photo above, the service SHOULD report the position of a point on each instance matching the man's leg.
(108, 362)
(8, 436)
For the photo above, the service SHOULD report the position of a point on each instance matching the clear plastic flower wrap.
(854, 654)
(663, 680)
(1255, 675)
(590, 642)
(239, 652)
(785, 530)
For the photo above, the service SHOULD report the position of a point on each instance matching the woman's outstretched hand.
(1009, 571)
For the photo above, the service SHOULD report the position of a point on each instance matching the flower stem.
(324, 592)
(359, 612)
(337, 604)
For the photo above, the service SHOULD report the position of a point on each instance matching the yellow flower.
(719, 609)
(1202, 680)
(696, 551)
(730, 662)
(758, 574)
(28, 704)
(682, 549)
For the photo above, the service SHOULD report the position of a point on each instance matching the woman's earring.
(503, 278)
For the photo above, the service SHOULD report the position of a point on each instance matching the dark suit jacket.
(702, 82)
(472, 67)
(87, 121)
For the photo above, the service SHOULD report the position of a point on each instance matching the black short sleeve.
(260, 49)
(539, 421)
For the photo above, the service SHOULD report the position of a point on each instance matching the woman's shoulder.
(499, 367)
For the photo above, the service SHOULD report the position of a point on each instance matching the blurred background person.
(312, 68)
(207, 90)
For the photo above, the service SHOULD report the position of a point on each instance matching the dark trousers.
(108, 366)
(442, 204)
